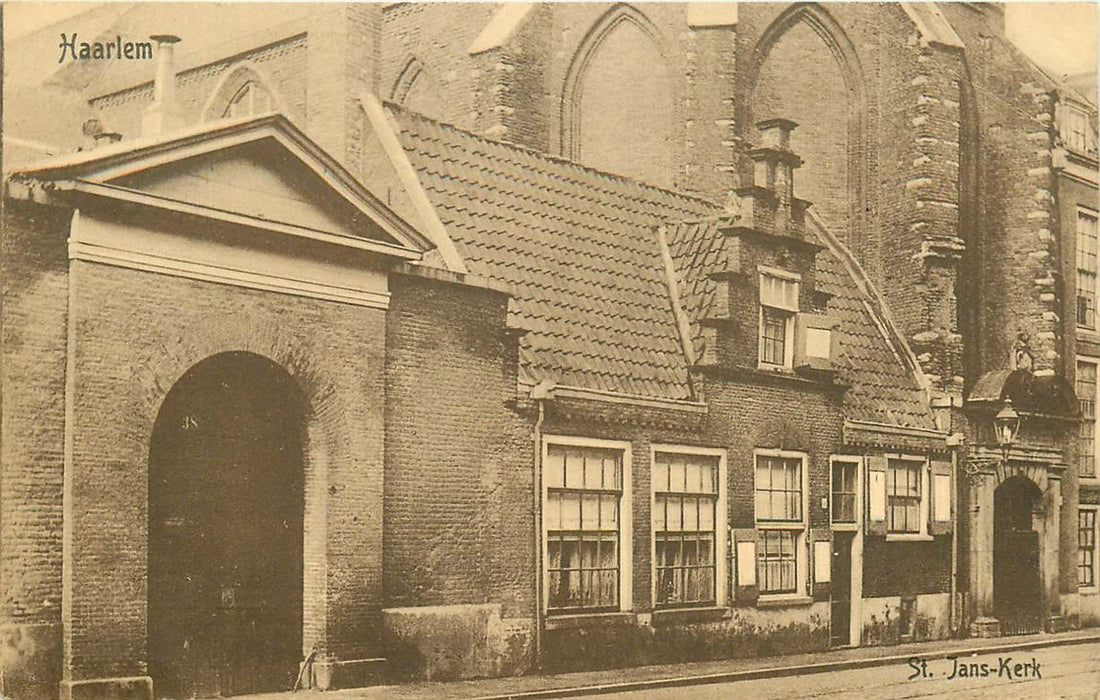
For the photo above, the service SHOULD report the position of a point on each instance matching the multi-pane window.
(780, 521)
(1086, 268)
(584, 488)
(779, 488)
(844, 491)
(684, 515)
(1086, 400)
(1086, 548)
(778, 307)
(777, 562)
(903, 496)
(1077, 131)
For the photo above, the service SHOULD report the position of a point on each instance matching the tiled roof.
(883, 389)
(580, 248)
(578, 245)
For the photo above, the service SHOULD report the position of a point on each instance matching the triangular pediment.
(260, 172)
(261, 180)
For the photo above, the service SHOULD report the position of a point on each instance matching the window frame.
(790, 331)
(801, 527)
(626, 519)
(1095, 587)
(1070, 116)
(925, 480)
(858, 462)
(1095, 476)
(721, 530)
(1085, 212)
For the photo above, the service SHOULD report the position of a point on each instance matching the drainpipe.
(164, 115)
(539, 393)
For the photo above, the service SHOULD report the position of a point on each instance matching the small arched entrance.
(1017, 582)
(225, 530)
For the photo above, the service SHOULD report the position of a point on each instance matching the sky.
(1059, 36)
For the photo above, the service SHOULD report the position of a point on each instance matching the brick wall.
(458, 507)
(906, 568)
(281, 63)
(32, 438)
(437, 36)
(801, 80)
(136, 334)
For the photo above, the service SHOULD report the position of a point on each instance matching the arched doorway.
(1017, 585)
(225, 530)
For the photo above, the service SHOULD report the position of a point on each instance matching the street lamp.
(1007, 425)
(1006, 429)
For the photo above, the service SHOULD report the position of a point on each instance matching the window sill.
(783, 601)
(909, 538)
(565, 622)
(677, 616)
(846, 527)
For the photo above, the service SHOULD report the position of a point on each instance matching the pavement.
(668, 676)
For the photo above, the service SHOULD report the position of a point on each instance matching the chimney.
(164, 115)
(770, 182)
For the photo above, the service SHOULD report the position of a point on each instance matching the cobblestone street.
(1066, 672)
(1069, 665)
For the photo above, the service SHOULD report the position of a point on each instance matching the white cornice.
(224, 275)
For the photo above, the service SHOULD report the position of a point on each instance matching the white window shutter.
(876, 495)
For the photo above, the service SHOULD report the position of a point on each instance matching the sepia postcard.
(529, 350)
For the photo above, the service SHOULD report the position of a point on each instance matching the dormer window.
(778, 309)
(1078, 133)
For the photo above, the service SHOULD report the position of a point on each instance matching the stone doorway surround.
(1048, 412)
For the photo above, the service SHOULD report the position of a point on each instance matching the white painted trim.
(224, 275)
(386, 131)
(125, 158)
(857, 460)
(789, 326)
(721, 519)
(150, 200)
(801, 548)
(626, 516)
(1095, 478)
(925, 473)
(1096, 273)
(855, 612)
(780, 273)
(1095, 588)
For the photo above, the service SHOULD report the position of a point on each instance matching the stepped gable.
(579, 247)
(883, 388)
